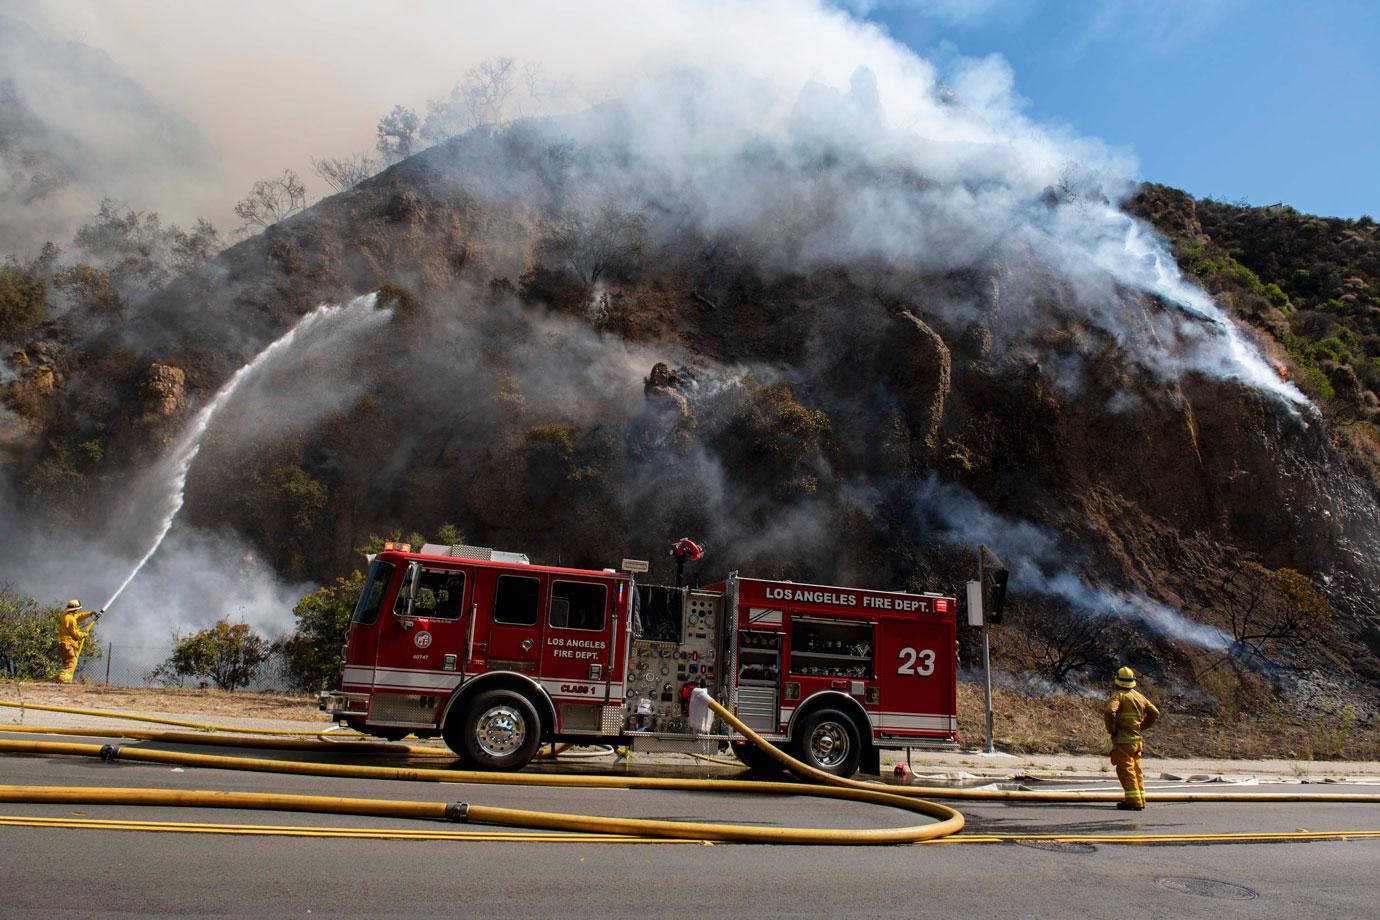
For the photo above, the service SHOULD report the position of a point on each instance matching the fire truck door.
(420, 635)
(579, 637)
(915, 676)
(513, 639)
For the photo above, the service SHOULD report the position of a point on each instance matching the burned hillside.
(589, 358)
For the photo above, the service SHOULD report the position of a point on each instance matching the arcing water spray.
(355, 317)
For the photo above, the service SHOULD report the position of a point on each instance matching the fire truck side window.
(371, 598)
(577, 605)
(516, 600)
(440, 595)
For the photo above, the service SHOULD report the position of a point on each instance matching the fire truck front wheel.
(498, 730)
(828, 740)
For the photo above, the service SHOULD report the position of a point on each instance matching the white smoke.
(788, 123)
(1128, 251)
(696, 93)
(196, 578)
(163, 488)
(167, 578)
(1039, 564)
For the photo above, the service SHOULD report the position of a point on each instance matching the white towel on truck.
(701, 716)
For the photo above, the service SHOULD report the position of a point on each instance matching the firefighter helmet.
(74, 605)
(1126, 679)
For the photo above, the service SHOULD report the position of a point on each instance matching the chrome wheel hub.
(829, 744)
(500, 731)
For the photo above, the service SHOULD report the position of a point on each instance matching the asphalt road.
(60, 872)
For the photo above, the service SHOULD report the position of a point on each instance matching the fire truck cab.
(498, 656)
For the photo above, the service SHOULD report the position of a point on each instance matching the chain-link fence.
(143, 666)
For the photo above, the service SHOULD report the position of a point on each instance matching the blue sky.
(1262, 100)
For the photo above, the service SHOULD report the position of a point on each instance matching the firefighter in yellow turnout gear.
(1127, 714)
(71, 638)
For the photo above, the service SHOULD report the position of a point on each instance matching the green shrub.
(281, 507)
(227, 655)
(29, 638)
(91, 289)
(21, 302)
(449, 535)
(1324, 386)
(559, 438)
(312, 652)
(1276, 296)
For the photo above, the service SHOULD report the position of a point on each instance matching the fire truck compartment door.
(412, 649)
(513, 640)
(579, 638)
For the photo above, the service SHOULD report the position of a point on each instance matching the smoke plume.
(1040, 564)
(755, 113)
(182, 578)
(805, 138)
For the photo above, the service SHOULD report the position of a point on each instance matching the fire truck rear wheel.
(828, 740)
(499, 730)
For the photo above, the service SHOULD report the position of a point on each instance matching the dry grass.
(1056, 723)
(1067, 723)
(187, 702)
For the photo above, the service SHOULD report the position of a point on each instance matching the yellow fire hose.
(354, 833)
(381, 747)
(561, 751)
(426, 834)
(825, 785)
(948, 820)
(265, 743)
(411, 774)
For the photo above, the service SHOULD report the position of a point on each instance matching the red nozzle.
(687, 549)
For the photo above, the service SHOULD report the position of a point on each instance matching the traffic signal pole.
(986, 661)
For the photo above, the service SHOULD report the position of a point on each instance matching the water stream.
(170, 475)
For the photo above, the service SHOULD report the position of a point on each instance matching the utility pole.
(986, 659)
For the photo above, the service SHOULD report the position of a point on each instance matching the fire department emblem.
(422, 640)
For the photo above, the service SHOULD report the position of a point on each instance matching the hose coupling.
(109, 752)
(458, 811)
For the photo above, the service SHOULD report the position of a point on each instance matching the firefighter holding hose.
(1127, 714)
(71, 638)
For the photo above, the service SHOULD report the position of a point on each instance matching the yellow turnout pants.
(1126, 759)
(69, 662)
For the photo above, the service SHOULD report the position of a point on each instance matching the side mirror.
(414, 577)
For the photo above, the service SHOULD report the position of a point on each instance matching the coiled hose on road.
(824, 785)
(948, 821)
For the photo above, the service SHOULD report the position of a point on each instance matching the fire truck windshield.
(371, 598)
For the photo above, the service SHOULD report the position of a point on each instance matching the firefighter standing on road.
(71, 638)
(1127, 714)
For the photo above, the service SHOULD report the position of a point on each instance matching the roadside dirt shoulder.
(186, 704)
(285, 711)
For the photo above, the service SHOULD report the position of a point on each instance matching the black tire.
(755, 759)
(828, 740)
(498, 730)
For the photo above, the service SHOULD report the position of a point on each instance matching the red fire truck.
(498, 656)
